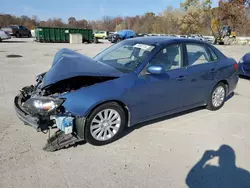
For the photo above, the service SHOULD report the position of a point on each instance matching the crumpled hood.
(68, 63)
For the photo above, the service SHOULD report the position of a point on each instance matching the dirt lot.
(160, 154)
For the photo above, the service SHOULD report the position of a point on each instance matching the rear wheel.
(118, 40)
(18, 35)
(217, 97)
(215, 41)
(105, 124)
(226, 40)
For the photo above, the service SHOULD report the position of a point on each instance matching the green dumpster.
(58, 35)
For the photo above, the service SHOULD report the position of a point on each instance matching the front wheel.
(105, 124)
(217, 97)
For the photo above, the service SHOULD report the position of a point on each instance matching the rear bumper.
(233, 81)
(39, 123)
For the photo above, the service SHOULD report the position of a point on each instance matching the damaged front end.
(42, 105)
(42, 108)
(35, 108)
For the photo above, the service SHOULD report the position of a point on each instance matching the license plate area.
(64, 123)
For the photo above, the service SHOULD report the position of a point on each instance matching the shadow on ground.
(138, 126)
(226, 174)
(244, 77)
(13, 41)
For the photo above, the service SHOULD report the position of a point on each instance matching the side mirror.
(156, 69)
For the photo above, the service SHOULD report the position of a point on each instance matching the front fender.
(82, 101)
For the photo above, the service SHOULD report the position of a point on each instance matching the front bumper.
(39, 123)
(44, 123)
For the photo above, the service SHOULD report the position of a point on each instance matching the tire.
(210, 104)
(18, 35)
(29, 35)
(233, 40)
(0, 39)
(118, 40)
(226, 40)
(94, 117)
(215, 41)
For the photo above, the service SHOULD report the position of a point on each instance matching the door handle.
(213, 71)
(180, 78)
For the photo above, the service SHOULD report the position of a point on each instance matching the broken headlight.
(42, 105)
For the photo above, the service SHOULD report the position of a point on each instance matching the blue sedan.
(133, 81)
(244, 65)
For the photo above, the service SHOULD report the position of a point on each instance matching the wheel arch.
(122, 104)
(225, 82)
(80, 123)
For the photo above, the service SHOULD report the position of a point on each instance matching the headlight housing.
(42, 105)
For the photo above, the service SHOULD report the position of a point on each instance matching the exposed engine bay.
(73, 84)
(52, 91)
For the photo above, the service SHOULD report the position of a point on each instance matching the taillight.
(236, 66)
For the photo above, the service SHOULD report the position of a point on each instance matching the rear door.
(202, 70)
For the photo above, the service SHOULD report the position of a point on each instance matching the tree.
(72, 21)
(120, 26)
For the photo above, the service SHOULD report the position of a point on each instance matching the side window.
(169, 57)
(197, 54)
(214, 56)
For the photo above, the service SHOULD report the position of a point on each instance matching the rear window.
(213, 54)
(13, 27)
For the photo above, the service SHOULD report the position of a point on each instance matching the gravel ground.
(160, 154)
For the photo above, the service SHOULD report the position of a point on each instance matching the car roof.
(126, 30)
(152, 40)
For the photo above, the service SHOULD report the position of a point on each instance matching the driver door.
(158, 94)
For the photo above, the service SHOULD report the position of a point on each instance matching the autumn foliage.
(193, 16)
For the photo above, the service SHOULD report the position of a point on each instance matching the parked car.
(183, 36)
(122, 35)
(133, 81)
(196, 36)
(244, 65)
(101, 34)
(4, 35)
(18, 31)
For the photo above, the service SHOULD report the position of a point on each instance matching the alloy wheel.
(105, 124)
(218, 96)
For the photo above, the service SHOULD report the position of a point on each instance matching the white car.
(4, 35)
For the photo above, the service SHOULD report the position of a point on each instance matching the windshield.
(125, 56)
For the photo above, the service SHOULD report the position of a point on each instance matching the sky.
(85, 9)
